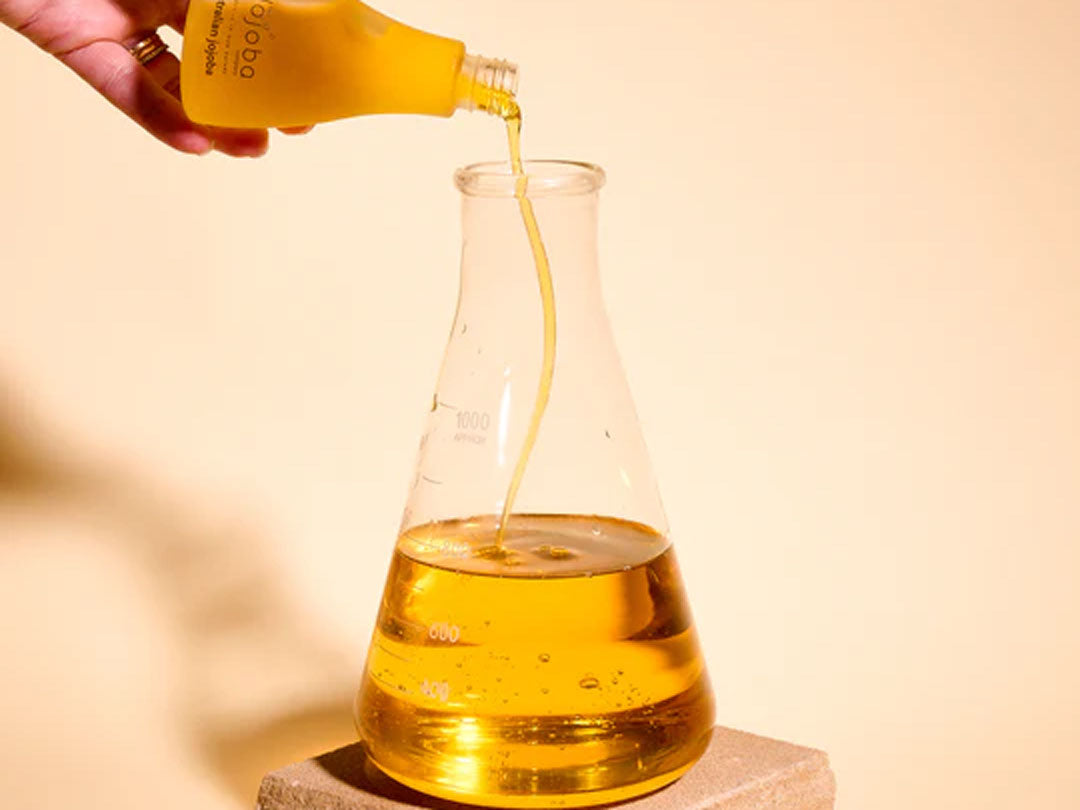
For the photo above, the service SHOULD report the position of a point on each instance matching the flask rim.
(546, 178)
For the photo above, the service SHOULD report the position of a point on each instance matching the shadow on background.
(245, 648)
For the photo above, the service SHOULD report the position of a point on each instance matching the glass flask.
(548, 660)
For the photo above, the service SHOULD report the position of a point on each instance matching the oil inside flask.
(542, 655)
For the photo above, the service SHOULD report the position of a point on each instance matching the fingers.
(114, 73)
(150, 96)
(165, 70)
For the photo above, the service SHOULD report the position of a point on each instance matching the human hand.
(93, 38)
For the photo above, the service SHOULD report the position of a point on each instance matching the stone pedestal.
(739, 771)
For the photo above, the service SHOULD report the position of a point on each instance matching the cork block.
(739, 771)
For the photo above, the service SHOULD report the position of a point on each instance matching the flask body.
(282, 63)
(550, 660)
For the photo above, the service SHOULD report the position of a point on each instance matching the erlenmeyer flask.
(555, 662)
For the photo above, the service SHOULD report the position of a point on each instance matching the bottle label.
(237, 37)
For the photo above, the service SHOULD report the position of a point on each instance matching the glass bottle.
(550, 661)
(290, 63)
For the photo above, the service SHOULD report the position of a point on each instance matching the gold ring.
(148, 49)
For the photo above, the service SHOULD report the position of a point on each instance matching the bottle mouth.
(546, 178)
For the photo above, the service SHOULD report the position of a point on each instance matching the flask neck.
(489, 85)
(498, 266)
(497, 258)
(497, 254)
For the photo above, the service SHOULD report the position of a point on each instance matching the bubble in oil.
(554, 552)
(589, 682)
(497, 553)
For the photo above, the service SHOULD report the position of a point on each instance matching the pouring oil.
(500, 673)
(526, 685)
(500, 102)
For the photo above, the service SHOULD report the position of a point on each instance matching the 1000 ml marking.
(473, 420)
(472, 425)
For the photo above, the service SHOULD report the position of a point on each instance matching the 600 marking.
(444, 631)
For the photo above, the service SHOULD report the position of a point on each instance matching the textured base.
(739, 771)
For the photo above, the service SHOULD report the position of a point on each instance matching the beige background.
(839, 246)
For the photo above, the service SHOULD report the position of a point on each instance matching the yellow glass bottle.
(288, 63)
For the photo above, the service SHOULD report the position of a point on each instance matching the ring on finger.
(147, 49)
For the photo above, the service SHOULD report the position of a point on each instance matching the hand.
(92, 38)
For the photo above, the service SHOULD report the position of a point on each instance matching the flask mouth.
(546, 178)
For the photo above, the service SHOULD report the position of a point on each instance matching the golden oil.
(518, 680)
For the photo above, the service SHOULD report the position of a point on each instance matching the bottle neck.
(488, 85)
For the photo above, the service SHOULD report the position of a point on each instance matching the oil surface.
(517, 679)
